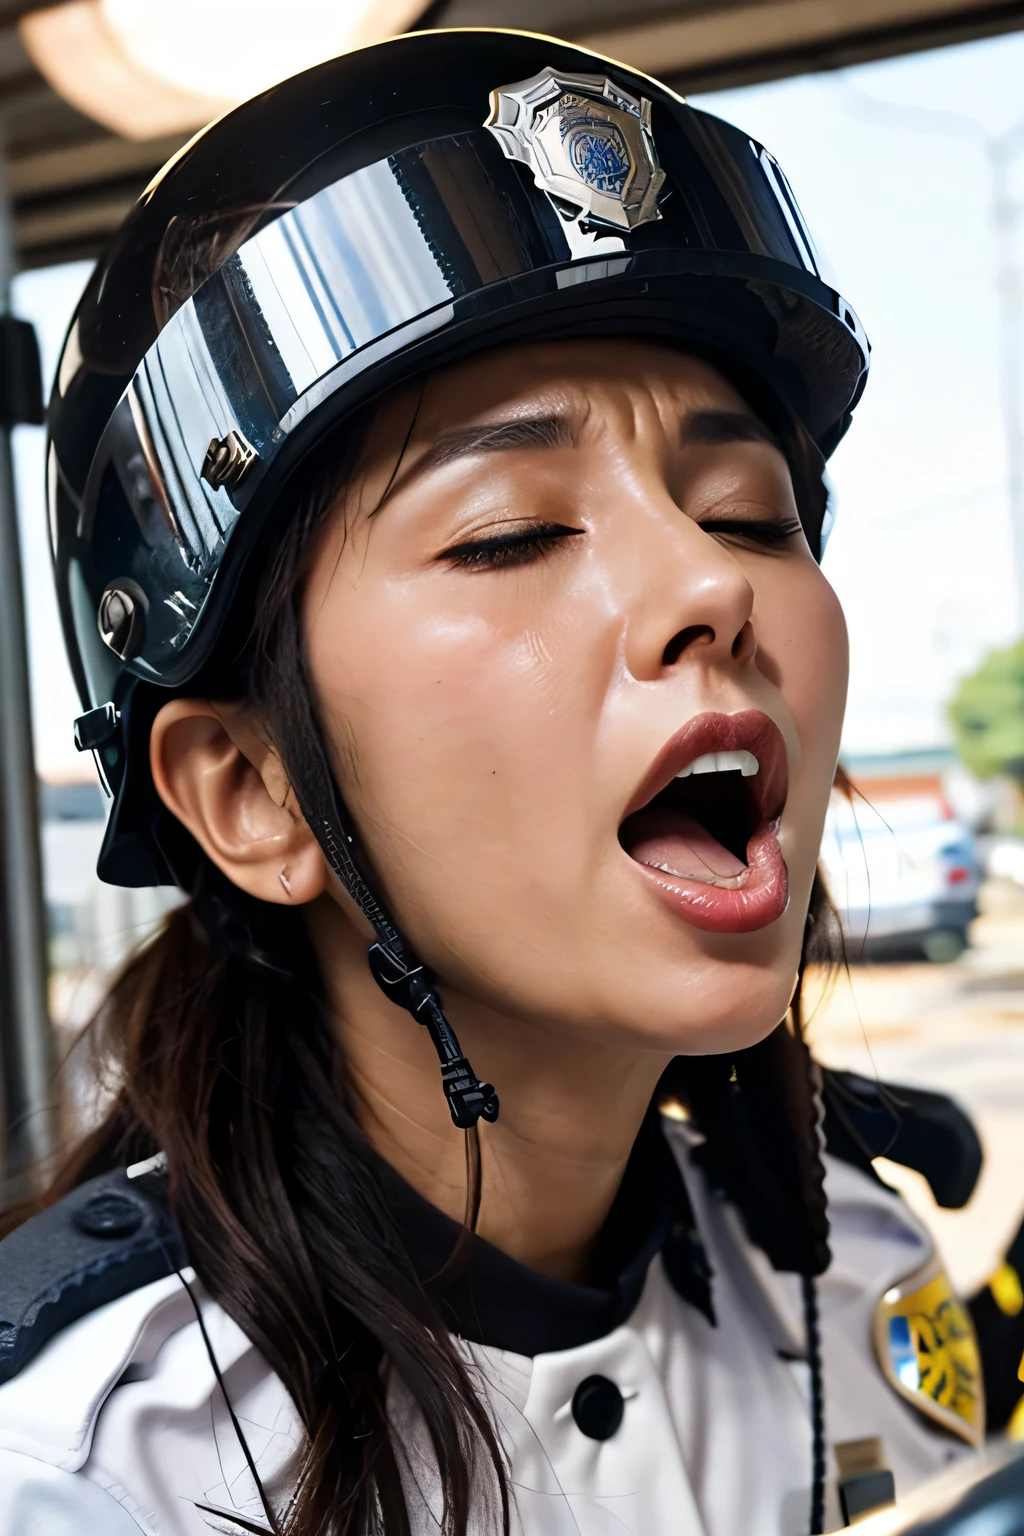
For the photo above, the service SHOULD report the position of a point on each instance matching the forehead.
(572, 377)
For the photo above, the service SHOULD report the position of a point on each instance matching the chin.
(707, 1007)
(698, 991)
(737, 1028)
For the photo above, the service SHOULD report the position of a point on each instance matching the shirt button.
(108, 1214)
(597, 1407)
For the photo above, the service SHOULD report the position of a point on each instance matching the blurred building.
(93, 928)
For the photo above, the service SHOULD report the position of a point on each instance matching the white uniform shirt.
(118, 1425)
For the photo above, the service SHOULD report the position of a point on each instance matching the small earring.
(285, 881)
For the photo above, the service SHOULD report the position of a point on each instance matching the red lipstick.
(702, 827)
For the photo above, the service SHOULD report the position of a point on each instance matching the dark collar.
(496, 1301)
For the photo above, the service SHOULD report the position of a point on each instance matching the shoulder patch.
(926, 1346)
(103, 1240)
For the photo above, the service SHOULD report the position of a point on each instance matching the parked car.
(904, 876)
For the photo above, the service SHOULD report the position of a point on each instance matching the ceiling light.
(149, 67)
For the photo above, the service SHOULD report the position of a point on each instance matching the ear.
(216, 774)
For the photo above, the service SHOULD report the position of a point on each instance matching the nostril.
(684, 639)
(744, 642)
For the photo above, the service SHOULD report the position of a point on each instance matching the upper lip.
(749, 730)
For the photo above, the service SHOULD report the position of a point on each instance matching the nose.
(694, 604)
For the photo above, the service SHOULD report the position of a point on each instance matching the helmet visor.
(328, 296)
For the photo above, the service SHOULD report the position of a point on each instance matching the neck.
(570, 1111)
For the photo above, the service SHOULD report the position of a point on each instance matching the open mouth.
(704, 823)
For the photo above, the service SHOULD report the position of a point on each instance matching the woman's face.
(584, 684)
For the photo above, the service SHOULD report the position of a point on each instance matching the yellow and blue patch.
(926, 1346)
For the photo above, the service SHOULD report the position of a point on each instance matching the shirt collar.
(493, 1300)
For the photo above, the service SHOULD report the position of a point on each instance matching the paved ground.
(958, 1028)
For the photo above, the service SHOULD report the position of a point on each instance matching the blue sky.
(921, 555)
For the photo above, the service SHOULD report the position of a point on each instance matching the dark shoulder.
(918, 1129)
(106, 1238)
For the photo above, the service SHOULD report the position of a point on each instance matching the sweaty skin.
(493, 714)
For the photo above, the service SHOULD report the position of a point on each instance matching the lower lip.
(760, 900)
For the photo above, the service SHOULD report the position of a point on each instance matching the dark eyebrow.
(488, 437)
(699, 429)
(710, 429)
(497, 437)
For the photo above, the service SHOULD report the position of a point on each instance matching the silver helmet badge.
(588, 143)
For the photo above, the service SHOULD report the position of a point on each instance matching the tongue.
(680, 844)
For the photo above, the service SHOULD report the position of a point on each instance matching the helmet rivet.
(121, 619)
(227, 459)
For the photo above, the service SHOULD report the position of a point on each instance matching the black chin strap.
(403, 979)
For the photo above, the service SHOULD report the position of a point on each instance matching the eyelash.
(768, 536)
(504, 550)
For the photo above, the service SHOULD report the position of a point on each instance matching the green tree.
(987, 715)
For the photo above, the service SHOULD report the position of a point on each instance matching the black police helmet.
(384, 214)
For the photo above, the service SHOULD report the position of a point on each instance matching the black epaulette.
(105, 1239)
(924, 1131)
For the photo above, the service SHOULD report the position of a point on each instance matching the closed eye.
(767, 534)
(499, 551)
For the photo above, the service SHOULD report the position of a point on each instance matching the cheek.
(471, 736)
(818, 668)
(804, 642)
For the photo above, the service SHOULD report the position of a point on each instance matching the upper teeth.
(722, 762)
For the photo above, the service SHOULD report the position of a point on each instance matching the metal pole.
(1002, 152)
(26, 1038)
(1008, 287)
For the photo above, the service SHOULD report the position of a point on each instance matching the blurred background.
(901, 126)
